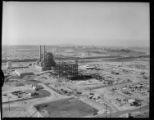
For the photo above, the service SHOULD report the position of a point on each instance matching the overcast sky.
(78, 23)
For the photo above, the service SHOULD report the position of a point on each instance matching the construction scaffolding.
(67, 70)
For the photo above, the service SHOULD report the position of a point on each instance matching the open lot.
(66, 108)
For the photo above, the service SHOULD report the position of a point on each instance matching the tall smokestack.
(40, 52)
(77, 66)
(44, 52)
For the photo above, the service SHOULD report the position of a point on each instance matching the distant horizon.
(63, 45)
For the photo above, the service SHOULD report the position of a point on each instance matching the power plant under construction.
(61, 69)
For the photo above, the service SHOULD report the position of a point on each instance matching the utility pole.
(110, 113)
(9, 103)
(106, 110)
(140, 108)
